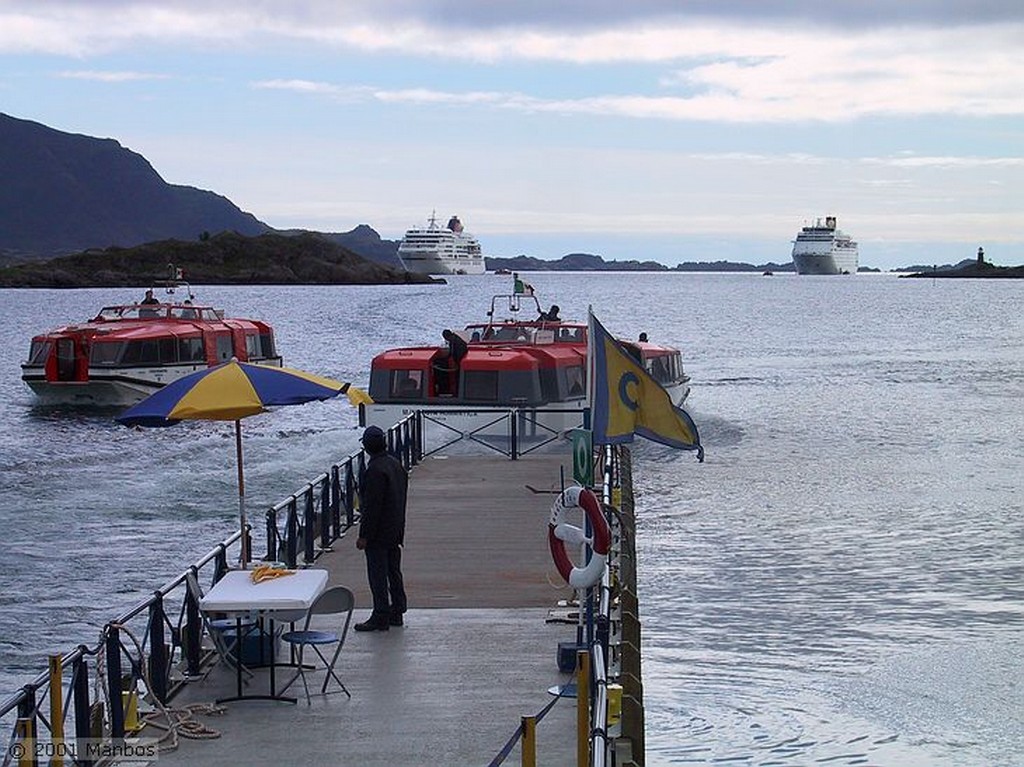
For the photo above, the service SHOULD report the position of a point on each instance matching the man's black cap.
(373, 440)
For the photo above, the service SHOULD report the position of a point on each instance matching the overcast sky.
(674, 131)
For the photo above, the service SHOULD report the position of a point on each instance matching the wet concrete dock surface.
(478, 651)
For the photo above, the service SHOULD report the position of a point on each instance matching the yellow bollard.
(57, 711)
(529, 753)
(130, 706)
(25, 746)
(614, 704)
(582, 708)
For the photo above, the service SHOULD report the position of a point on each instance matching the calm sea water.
(841, 582)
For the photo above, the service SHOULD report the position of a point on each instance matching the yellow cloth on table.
(262, 573)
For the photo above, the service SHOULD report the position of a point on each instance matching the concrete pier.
(478, 651)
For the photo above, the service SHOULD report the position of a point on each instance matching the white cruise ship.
(433, 250)
(823, 249)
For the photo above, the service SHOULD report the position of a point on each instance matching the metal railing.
(155, 647)
(309, 520)
(514, 432)
(136, 649)
(599, 662)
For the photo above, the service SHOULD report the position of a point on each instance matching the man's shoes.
(396, 620)
(372, 625)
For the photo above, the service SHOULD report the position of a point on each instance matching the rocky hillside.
(224, 259)
(63, 193)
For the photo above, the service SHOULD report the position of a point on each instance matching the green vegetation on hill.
(224, 259)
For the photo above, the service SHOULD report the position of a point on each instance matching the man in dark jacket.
(382, 531)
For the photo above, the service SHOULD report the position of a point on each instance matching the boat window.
(225, 347)
(407, 384)
(191, 350)
(480, 385)
(39, 352)
(105, 352)
(567, 335)
(168, 351)
(659, 369)
(267, 345)
(145, 352)
(252, 347)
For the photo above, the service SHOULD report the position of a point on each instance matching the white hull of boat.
(425, 264)
(122, 387)
(108, 388)
(828, 263)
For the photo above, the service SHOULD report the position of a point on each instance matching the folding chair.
(336, 600)
(228, 651)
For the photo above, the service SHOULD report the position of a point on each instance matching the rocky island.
(976, 269)
(223, 259)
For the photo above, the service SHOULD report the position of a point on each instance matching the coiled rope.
(180, 722)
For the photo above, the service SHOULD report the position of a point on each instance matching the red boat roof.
(154, 320)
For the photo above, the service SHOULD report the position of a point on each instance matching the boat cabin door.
(67, 363)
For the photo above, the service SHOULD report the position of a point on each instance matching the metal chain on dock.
(507, 748)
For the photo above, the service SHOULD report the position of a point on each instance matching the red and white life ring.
(561, 533)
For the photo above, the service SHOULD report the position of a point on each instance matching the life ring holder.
(561, 533)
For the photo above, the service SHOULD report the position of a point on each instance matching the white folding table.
(286, 598)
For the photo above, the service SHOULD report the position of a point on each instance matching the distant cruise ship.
(823, 249)
(433, 250)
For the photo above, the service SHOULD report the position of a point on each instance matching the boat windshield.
(151, 311)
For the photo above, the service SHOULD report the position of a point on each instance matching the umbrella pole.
(241, 495)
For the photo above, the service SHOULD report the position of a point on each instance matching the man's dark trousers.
(384, 572)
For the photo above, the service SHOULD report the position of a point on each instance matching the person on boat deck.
(457, 349)
(551, 315)
(188, 313)
(383, 494)
(643, 338)
(149, 300)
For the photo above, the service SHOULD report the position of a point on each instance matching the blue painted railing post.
(308, 527)
(220, 563)
(193, 630)
(157, 648)
(114, 684)
(272, 542)
(336, 499)
(325, 513)
(80, 698)
(514, 429)
(291, 534)
(350, 490)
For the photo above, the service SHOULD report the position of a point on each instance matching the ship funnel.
(454, 224)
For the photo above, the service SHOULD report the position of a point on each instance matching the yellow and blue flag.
(628, 401)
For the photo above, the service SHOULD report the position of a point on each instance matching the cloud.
(574, 14)
(111, 77)
(822, 81)
(724, 61)
(946, 162)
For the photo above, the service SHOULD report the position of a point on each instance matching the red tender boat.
(128, 351)
(536, 366)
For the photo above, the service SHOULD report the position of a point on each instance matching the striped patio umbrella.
(230, 392)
